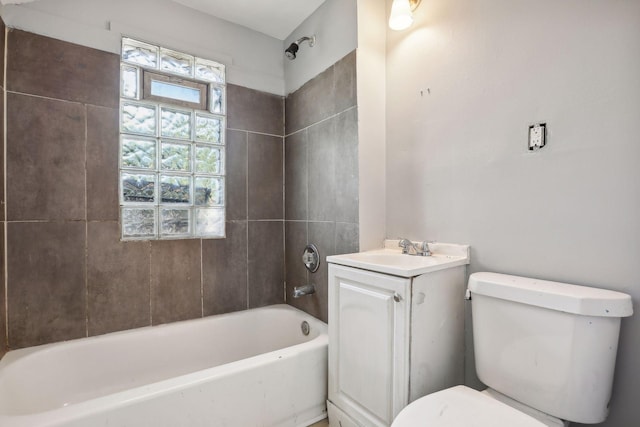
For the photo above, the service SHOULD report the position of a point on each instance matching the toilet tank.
(549, 345)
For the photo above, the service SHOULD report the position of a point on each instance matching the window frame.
(207, 135)
(148, 76)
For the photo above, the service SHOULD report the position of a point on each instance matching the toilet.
(546, 351)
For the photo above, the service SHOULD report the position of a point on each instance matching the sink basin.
(393, 261)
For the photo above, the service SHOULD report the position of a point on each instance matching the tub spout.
(299, 291)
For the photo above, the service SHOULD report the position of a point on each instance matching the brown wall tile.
(346, 167)
(266, 263)
(2, 170)
(329, 93)
(332, 170)
(295, 241)
(266, 180)
(3, 313)
(45, 159)
(296, 274)
(254, 111)
(175, 281)
(3, 323)
(224, 271)
(236, 175)
(347, 238)
(47, 290)
(295, 176)
(322, 235)
(311, 103)
(345, 85)
(102, 163)
(126, 282)
(117, 280)
(321, 169)
(321, 179)
(3, 59)
(52, 68)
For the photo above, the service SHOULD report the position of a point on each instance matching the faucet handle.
(424, 247)
(404, 244)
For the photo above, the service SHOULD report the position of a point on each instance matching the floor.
(323, 423)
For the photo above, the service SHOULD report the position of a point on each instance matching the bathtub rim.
(146, 391)
(12, 356)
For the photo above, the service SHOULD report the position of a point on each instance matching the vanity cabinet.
(392, 340)
(369, 343)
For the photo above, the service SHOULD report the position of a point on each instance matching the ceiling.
(275, 18)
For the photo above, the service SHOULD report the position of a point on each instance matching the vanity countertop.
(391, 260)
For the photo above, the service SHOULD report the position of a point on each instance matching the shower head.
(290, 52)
(293, 48)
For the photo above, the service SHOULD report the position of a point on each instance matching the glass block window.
(172, 144)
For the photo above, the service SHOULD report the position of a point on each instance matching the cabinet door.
(368, 344)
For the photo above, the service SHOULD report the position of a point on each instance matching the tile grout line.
(52, 221)
(284, 213)
(284, 196)
(58, 99)
(255, 132)
(246, 205)
(307, 274)
(284, 264)
(86, 223)
(306, 171)
(5, 225)
(322, 120)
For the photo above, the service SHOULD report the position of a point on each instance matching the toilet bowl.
(463, 406)
(545, 349)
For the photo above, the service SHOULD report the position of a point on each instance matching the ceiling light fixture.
(401, 16)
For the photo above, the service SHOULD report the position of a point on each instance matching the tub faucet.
(408, 246)
(308, 289)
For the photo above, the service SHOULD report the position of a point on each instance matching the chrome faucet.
(407, 247)
(308, 289)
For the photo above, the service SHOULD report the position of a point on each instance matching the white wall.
(253, 59)
(463, 85)
(371, 60)
(334, 25)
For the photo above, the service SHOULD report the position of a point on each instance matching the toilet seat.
(462, 406)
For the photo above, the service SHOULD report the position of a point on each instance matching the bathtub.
(250, 368)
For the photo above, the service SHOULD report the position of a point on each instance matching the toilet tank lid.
(564, 297)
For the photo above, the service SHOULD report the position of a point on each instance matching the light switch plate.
(537, 136)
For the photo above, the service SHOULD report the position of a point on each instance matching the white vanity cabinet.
(369, 343)
(392, 339)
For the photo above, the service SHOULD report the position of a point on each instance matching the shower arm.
(311, 40)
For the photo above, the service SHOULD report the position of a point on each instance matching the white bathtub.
(250, 368)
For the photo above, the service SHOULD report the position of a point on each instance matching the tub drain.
(305, 327)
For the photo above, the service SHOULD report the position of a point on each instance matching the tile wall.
(68, 273)
(3, 316)
(321, 177)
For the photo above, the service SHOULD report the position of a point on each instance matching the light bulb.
(401, 17)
